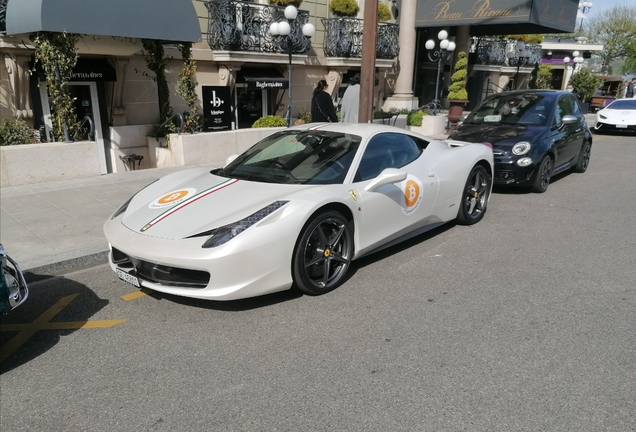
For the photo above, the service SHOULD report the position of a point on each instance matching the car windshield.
(623, 104)
(513, 109)
(296, 157)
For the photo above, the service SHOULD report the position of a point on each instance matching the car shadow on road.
(518, 190)
(31, 330)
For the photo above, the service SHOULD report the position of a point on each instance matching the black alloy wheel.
(323, 254)
(584, 158)
(542, 177)
(475, 196)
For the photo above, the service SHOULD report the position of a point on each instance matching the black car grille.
(161, 274)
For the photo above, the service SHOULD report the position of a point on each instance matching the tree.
(585, 84)
(541, 77)
(615, 29)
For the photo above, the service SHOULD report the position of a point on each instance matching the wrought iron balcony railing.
(493, 52)
(343, 38)
(3, 16)
(243, 26)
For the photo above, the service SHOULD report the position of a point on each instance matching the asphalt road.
(523, 322)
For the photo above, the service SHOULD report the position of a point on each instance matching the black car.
(534, 133)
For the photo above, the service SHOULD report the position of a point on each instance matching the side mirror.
(388, 176)
(569, 119)
(229, 159)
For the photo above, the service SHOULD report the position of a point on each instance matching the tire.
(584, 158)
(322, 256)
(542, 178)
(475, 196)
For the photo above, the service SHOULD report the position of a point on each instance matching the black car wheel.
(584, 158)
(475, 196)
(323, 254)
(542, 178)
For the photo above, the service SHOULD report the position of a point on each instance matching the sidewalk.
(49, 228)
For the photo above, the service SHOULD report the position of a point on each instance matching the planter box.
(209, 148)
(431, 125)
(46, 162)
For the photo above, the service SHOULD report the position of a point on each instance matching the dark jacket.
(630, 90)
(322, 109)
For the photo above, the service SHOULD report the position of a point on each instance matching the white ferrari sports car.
(294, 210)
(619, 116)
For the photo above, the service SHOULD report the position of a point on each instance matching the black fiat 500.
(534, 133)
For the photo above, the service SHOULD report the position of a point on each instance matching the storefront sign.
(267, 83)
(217, 108)
(559, 16)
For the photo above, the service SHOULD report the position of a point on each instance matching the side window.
(576, 112)
(565, 106)
(388, 150)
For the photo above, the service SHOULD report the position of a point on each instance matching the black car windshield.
(296, 157)
(513, 109)
(623, 104)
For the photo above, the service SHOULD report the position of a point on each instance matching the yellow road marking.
(135, 295)
(42, 323)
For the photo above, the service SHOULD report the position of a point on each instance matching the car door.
(393, 210)
(569, 137)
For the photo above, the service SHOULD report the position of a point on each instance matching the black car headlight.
(226, 233)
(521, 148)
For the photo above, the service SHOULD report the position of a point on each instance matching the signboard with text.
(217, 108)
(549, 14)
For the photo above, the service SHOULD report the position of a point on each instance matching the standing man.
(630, 89)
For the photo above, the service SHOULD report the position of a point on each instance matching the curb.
(74, 264)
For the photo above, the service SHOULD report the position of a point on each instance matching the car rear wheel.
(323, 254)
(584, 158)
(542, 178)
(475, 196)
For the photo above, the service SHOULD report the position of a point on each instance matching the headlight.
(524, 162)
(226, 233)
(521, 148)
(602, 116)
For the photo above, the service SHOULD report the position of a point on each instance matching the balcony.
(492, 52)
(343, 38)
(243, 26)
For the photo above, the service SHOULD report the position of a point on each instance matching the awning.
(265, 78)
(499, 17)
(166, 20)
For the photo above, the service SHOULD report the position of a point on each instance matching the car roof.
(361, 129)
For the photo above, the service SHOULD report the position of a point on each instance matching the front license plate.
(621, 126)
(128, 278)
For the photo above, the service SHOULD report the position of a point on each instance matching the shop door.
(251, 104)
(87, 112)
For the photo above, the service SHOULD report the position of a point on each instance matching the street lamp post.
(283, 29)
(585, 7)
(522, 55)
(445, 48)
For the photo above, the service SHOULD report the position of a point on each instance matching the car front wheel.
(475, 196)
(323, 254)
(584, 158)
(542, 178)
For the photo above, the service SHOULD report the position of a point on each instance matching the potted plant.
(285, 2)
(344, 8)
(457, 95)
(585, 84)
(384, 13)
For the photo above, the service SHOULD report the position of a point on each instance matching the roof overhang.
(166, 20)
(499, 17)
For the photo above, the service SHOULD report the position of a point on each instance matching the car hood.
(193, 201)
(497, 134)
(616, 116)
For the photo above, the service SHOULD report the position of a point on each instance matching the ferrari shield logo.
(353, 194)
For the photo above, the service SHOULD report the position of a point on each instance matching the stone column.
(403, 93)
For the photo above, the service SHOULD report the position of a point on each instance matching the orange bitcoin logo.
(174, 196)
(411, 193)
